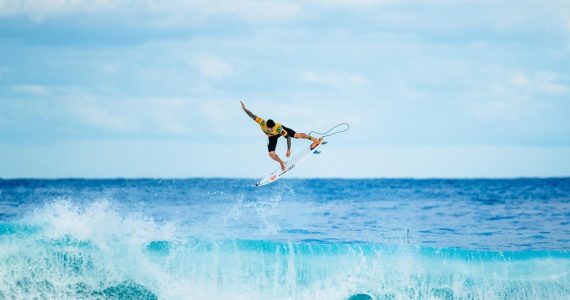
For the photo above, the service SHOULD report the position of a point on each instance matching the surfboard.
(290, 164)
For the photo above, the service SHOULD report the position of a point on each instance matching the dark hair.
(270, 123)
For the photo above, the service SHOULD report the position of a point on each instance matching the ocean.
(296, 239)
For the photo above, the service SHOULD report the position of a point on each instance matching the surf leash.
(329, 133)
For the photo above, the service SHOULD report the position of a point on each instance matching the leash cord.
(331, 134)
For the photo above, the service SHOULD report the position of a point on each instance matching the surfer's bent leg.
(271, 145)
(316, 141)
(300, 135)
(276, 158)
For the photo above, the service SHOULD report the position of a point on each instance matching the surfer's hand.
(288, 153)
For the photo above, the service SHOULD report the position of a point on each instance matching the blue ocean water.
(295, 239)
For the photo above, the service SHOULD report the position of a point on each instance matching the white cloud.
(431, 70)
(30, 89)
(538, 82)
(138, 116)
(498, 104)
(519, 79)
(213, 67)
(505, 94)
(335, 79)
(166, 117)
(354, 4)
(109, 68)
(163, 12)
(217, 115)
(547, 82)
(259, 11)
(39, 10)
(90, 113)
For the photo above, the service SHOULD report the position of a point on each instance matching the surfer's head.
(270, 123)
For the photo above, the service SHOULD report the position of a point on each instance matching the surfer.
(274, 131)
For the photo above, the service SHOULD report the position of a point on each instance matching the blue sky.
(147, 88)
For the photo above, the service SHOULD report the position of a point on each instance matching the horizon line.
(290, 178)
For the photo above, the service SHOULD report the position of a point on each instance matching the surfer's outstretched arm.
(249, 113)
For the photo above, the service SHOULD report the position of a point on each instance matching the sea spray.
(83, 252)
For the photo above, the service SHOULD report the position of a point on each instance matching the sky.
(147, 88)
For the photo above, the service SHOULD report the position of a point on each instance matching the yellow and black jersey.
(276, 130)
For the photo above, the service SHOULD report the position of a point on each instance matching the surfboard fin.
(316, 152)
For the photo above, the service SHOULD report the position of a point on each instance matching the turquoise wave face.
(65, 250)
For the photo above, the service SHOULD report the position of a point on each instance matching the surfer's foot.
(316, 143)
(282, 166)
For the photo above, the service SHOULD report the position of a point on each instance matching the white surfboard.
(290, 164)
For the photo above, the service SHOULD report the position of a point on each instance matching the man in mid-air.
(274, 131)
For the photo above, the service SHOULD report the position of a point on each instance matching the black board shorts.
(272, 144)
